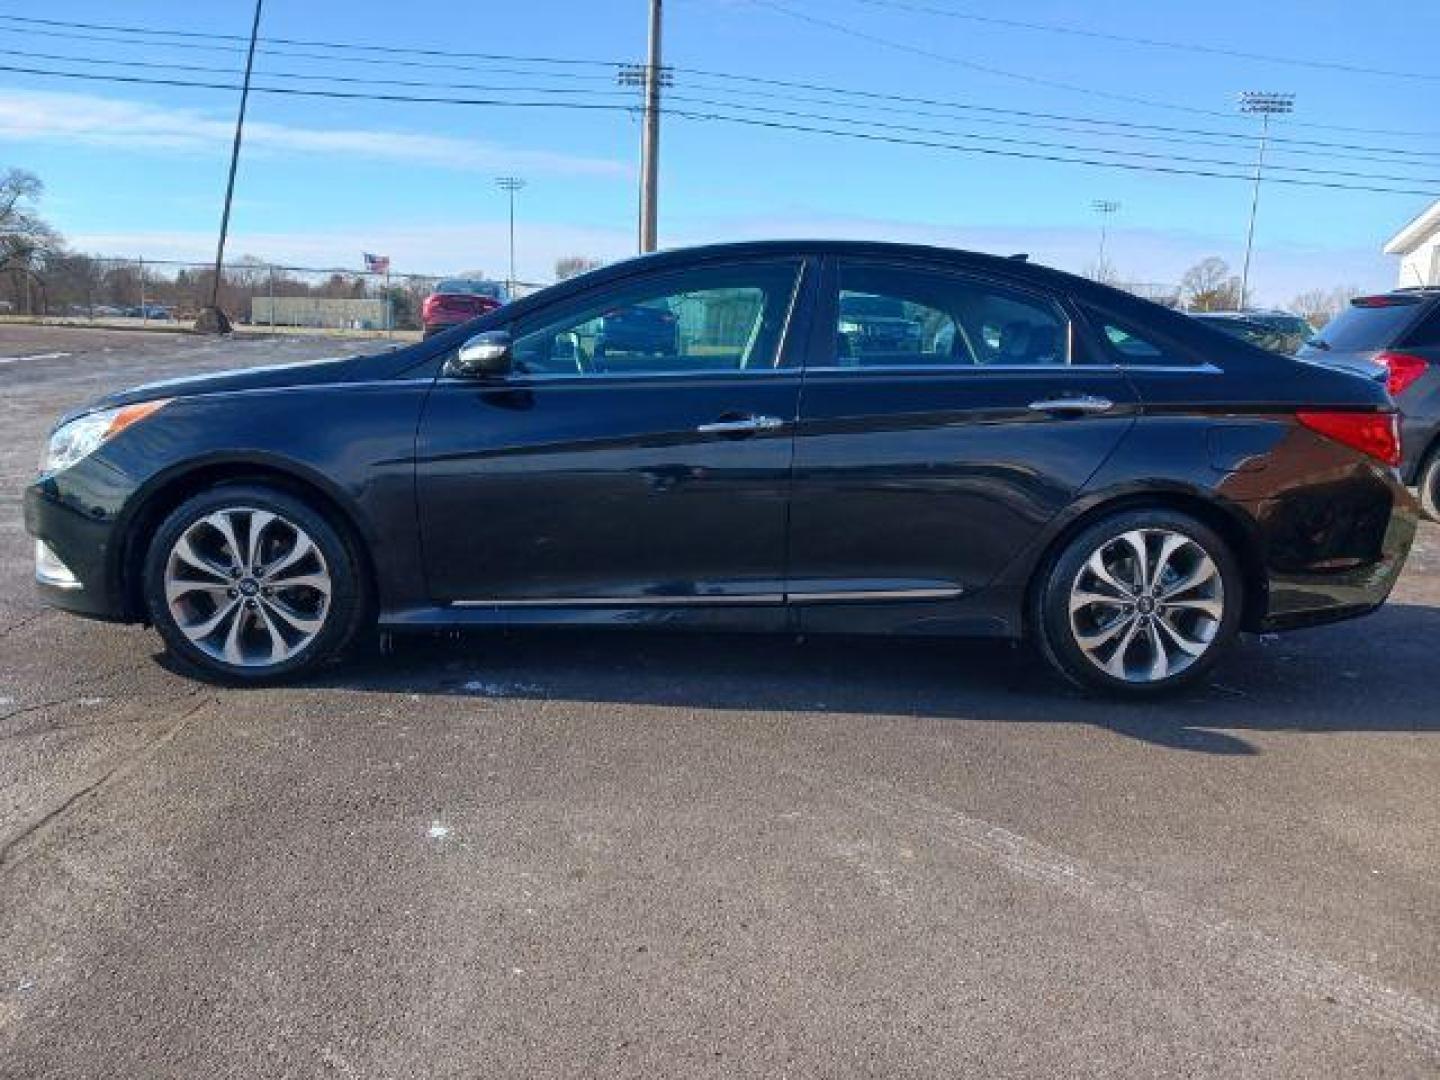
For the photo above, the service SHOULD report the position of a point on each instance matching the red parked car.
(459, 300)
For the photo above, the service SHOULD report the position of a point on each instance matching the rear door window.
(902, 316)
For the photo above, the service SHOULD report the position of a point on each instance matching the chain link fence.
(258, 296)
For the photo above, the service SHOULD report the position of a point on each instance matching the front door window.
(708, 320)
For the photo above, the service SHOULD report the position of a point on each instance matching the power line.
(1299, 147)
(1070, 117)
(264, 50)
(1143, 154)
(317, 76)
(190, 42)
(1156, 43)
(947, 58)
(790, 114)
(1230, 142)
(390, 49)
(774, 125)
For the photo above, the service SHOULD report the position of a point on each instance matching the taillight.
(1376, 434)
(1404, 369)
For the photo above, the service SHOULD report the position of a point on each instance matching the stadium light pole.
(1105, 208)
(212, 319)
(510, 185)
(1265, 104)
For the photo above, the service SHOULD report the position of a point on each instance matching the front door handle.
(741, 425)
(1086, 403)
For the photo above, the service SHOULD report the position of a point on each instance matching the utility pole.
(510, 184)
(650, 77)
(1103, 207)
(650, 140)
(213, 319)
(1266, 104)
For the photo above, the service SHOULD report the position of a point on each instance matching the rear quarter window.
(1132, 346)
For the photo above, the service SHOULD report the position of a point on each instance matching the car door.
(944, 423)
(628, 458)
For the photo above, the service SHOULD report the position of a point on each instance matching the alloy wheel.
(247, 587)
(1146, 605)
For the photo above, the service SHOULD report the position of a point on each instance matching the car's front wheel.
(1140, 603)
(248, 583)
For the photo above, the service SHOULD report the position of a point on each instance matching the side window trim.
(820, 356)
(786, 363)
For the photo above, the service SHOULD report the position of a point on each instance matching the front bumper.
(84, 545)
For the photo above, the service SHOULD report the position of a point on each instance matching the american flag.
(376, 264)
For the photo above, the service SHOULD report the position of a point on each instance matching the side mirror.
(484, 355)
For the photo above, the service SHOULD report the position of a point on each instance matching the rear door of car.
(926, 462)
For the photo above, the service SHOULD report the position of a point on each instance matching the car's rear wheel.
(248, 583)
(1143, 602)
(1428, 485)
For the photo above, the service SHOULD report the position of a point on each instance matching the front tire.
(1141, 603)
(250, 584)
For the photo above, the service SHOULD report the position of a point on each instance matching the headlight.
(81, 437)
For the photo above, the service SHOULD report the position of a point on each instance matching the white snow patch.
(498, 689)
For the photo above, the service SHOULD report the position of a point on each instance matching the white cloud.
(42, 116)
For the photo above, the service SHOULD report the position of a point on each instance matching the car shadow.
(1368, 675)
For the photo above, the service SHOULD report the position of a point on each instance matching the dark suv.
(1395, 337)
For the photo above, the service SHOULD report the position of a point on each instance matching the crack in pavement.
(119, 770)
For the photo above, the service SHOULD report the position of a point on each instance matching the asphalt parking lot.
(568, 854)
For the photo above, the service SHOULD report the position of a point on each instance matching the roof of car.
(1247, 313)
(1004, 267)
(1012, 266)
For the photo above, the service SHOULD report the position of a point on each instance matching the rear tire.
(1142, 603)
(1428, 485)
(249, 584)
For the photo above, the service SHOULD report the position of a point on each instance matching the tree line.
(39, 275)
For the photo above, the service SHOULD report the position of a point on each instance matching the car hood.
(269, 377)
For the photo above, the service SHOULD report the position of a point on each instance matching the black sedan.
(1050, 459)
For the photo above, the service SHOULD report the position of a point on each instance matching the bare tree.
(568, 266)
(1103, 271)
(1319, 306)
(25, 239)
(1209, 286)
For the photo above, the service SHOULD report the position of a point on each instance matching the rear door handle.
(1086, 403)
(741, 425)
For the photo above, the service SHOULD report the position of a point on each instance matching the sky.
(135, 169)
